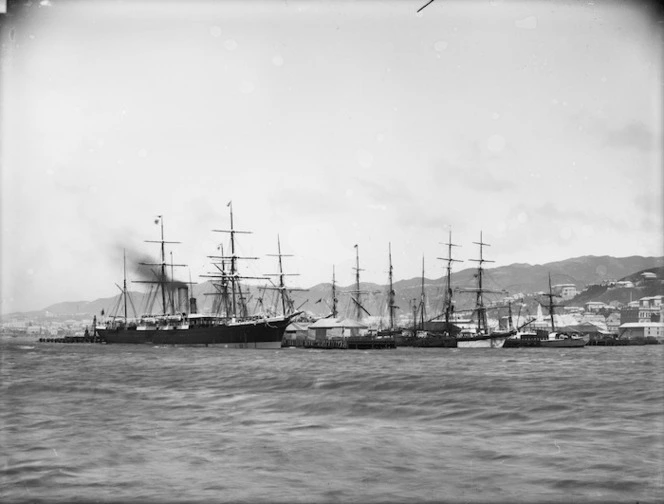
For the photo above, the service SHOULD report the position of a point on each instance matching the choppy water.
(141, 423)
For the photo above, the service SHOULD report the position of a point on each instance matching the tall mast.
(221, 299)
(509, 316)
(172, 290)
(233, 259)
(124, 284)
(414, 307)
(481, 310)
(391, 293)
(358, 302)
(162, 280)
(334, 295)
(225, 302)
(233, 275)
(449, 307)
(282, 286)
(422, 300)
(551, 295)
(163, 267)
(286, 301)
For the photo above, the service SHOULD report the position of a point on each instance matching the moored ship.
(199, 329)
(482, 337)
(555, 338)
(229, 327)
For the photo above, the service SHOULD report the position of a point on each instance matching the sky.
(327, 124)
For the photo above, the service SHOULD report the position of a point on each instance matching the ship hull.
(251, 334)
(482, 341)
(563, 343)
(428, 342)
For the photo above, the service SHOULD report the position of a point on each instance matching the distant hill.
(607, 293)
(516, 278)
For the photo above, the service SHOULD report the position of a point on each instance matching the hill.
(515, 279)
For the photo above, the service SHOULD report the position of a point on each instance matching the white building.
(594, 306)
(651, 307)
(643, 330)
(565, 291)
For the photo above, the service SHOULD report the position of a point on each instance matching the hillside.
(515, 278)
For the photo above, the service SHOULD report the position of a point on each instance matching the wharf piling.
(351, 343)
(73, 339)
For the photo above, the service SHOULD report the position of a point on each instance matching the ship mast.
(124, 296)
(358, 302)
(422, 300)
(286, 301)
(551, 295)
(391, 296)
(449, 307)
(334, 295)
(124, 283)
(163, 278)
(356, 293)
(481, 309)
(233, 276)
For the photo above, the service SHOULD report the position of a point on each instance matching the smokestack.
(182, 298)
(192, 305)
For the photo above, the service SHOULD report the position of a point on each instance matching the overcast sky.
(328, 123)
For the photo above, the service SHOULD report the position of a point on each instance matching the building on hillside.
(648, 277)
(626, 284)
(650, 309)
(565, 291)
(596, 320)
(635, 330)
(629, 315)
(594, 306)
(613, 322)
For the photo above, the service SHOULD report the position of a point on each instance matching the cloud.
(630, 134)
(635, 136)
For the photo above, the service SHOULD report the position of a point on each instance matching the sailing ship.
(557, 339)
(424, 335)
(483, 336)
(332, 331)
(445, 336)
(230, 327)
(392, 329)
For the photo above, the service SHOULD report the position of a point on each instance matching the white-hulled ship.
(482, 337)
(229, 327)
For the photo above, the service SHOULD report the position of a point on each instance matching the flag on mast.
(156, 221)
(229, 203)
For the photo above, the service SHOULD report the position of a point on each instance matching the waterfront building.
(335, 328)
(650, 309)
(634, 330)
(613, 322)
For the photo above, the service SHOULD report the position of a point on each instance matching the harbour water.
(109, 423)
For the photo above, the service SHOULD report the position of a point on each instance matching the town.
(640, 320)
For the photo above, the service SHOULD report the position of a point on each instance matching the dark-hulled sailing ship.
(230, 326)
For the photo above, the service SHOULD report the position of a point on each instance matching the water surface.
(112, 423)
